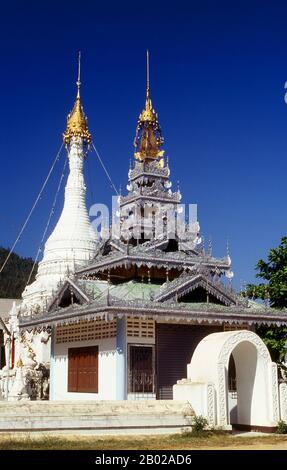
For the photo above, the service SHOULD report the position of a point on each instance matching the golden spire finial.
(77, 123)
(148, 114)
(148, 138)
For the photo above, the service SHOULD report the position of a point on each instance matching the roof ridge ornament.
(77, 122)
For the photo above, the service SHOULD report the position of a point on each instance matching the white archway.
(257, 384)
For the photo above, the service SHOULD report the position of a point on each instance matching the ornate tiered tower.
(151, 210)
(73, 241)
(152, 240)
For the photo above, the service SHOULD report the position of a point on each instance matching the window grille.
(86, 330)
(140, 328)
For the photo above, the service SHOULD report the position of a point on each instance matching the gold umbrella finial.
(148, 138)
(77, 122)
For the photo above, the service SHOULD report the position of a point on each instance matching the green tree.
(14, 276)
(274, 288)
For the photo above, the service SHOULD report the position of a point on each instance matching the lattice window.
(243, 326)
(140, 328)
(86, 330)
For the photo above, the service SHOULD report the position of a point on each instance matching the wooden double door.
(83, 370)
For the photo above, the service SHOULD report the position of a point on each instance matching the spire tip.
(147, 69)
(79, 74)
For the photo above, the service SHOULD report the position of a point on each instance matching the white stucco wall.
(200, 396)
(107, 371)
(283, 401)
(194, 393)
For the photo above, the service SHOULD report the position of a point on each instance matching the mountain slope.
(14, 276)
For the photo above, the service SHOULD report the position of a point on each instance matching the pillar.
(121, 387)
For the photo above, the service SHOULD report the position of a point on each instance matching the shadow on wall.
(248, 383)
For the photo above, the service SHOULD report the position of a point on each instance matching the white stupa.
(73, 242)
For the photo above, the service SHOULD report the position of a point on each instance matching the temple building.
(120, 319)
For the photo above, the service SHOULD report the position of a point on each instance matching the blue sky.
(217, 76)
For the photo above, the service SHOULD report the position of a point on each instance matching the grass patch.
(211, 440)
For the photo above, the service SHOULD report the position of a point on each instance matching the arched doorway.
(251, 386)
(240, 356)
(232, 390)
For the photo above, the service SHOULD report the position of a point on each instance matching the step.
(118, 417)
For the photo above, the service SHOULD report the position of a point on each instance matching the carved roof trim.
(188, 282)
(164, 260)
(166, 312)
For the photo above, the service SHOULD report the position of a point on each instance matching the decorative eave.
(162, 260)
(164, 198)
(147, 171)
(112, 308)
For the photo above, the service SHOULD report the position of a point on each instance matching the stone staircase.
(92, 417)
